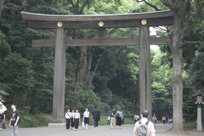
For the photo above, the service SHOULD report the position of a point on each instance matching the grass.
(190, 125)
(33, 120)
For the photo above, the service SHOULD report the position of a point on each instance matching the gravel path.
(126, 130)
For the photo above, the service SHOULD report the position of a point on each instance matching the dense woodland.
(105, 77)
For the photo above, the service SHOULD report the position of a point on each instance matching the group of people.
(13, 123)
(73, 118)
(116, 118)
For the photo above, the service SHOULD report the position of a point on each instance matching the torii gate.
(100, 22)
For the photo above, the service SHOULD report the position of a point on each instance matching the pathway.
(126, 130)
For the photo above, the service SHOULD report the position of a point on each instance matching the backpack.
(143, 128)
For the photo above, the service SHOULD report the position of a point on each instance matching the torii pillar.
(59, 76)
(145, 73)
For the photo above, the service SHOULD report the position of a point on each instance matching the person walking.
(86, 118)
(2, 115)
(72, 119)
(144, 127)
(76, 120)
(136, 118)
(119, 118)
(154, 119)
(164, 120)
(14, 120)
(113, 118)
(96, 117)
(68, 118)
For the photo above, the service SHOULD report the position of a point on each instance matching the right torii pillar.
(145, 74)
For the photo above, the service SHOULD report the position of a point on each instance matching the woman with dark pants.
(76, 120)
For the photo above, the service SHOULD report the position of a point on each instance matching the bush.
(190, 125)
(33, 120)
(85, 99)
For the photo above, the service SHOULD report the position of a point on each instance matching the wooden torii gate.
(100, 22)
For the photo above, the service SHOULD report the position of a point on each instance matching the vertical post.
(145, 81)
(199, 118)
(59, 77)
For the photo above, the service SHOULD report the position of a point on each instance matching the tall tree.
(179, 8)
(85, 53)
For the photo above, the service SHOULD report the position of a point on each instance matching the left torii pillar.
(59, 76)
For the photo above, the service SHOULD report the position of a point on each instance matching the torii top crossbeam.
(36, 20)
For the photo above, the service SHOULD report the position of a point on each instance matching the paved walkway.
(126, 130)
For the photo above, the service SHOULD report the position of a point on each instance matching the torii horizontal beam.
(159, 18)
(99, 42)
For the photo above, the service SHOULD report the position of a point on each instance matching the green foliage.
(190, 125)
(84, 98)
(4, 46)
(36, 120)
(161, 85)
(27, 73)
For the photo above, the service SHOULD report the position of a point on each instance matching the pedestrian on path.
(96, 116)
(2, 115)
(68, 118)
(154, 119)
(136, 118)
(144, 127)
(76, 120)
(113, 118)
(14, 120)
(164, 120)
(119, 118)
(72, 119)
(86, 118)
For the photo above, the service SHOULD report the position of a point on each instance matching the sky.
(153, 33)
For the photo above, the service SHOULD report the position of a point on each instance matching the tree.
(1, 6)
(179, 8)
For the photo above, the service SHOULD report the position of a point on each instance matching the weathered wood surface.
(59, 77)
(98, 17)
(91, 21)
(144, 77)
(100, 42)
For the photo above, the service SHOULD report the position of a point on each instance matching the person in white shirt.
(68, 117)
(150, 130)
(2, 114)
(76, 119)
(86, 118)
(2, 108)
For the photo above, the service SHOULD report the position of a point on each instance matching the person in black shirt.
(96, 117)
(14, 120)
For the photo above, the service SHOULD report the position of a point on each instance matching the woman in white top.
(68, 118)
(76, 119)
(86, 118)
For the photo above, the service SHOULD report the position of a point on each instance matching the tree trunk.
(83, 68)
(177, 75)
(1, 5)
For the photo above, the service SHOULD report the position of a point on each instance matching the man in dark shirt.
(14, 120)
(96, 117)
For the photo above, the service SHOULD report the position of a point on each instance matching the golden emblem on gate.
(143, 21)
(101, 24)
(59, 24)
